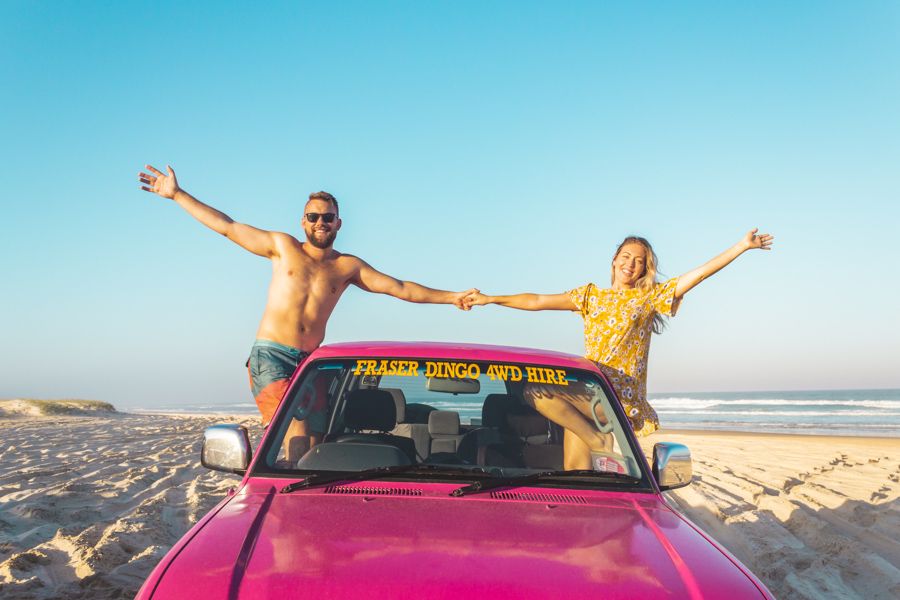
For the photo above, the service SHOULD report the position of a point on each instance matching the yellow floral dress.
(617, 328)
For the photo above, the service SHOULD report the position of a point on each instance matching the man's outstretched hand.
(159, 183)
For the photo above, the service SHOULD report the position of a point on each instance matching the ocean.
(829, 412)
(826, 412)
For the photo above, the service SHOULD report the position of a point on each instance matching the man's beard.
(321, 243)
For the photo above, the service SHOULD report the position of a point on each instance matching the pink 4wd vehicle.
(435, 480)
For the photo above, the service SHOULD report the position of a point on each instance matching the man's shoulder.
(285, 239)
(350, 261)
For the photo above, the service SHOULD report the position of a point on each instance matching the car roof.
(452, 351)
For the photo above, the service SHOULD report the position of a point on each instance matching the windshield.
(482, 418)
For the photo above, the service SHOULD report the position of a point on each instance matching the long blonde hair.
(645, 281)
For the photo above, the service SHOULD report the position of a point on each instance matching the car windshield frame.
(275, 432)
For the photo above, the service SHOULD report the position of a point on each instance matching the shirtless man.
(307, 281)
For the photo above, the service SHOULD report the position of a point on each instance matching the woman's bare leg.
(576, 454)
(570, 418)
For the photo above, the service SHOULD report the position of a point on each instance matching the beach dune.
(89, 504)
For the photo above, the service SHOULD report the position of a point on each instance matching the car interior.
(377, 421)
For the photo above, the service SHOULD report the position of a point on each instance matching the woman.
(618, 321)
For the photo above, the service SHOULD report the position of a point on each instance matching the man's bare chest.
(312, 277)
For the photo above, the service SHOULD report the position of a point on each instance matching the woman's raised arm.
(750, 241)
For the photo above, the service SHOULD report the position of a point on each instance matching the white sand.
(812, 516)
(88, 505)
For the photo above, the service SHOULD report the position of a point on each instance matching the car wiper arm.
(497, 482)
(376, 473)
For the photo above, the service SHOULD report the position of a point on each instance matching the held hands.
(159, 183)
(459, 298)
(474, 298)
(753, 240)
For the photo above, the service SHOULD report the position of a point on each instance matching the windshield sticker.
(461, 370)
(402, 368)
(442, 370)
(606, 464)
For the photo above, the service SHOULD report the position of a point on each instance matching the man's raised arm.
(257, 241)
(370, 280)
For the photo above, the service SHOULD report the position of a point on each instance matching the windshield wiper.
(378, 473)
(497, 482)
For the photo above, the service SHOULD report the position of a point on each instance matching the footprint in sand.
(802, 564)
(880, 494)
(841, 461)
(26, 561)
(793, 482)
(862, 516)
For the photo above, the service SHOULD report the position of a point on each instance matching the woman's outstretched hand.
(754, 240)
(158, 182)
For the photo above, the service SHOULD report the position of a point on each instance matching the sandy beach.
(91, 500)
(90, 504)
(812, 516)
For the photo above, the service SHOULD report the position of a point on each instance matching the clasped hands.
(473, 297)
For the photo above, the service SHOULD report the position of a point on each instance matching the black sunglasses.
(326, 217)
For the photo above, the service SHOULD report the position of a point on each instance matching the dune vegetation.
(32, 407)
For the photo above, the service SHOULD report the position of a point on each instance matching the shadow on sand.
(851, 551)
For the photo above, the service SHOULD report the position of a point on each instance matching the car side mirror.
(672, 465)
(226, 448)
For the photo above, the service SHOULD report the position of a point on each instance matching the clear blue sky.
(508, 146)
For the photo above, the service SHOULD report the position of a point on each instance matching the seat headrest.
(399, 402)
(418, 413)
(528, 425)
(495, 409)
(370, 409)
(443, 422)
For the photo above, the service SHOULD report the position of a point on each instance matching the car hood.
(382, 540)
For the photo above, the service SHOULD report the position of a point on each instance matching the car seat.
(495, 432)
(370, 414)
(443, 426)
(407, 427)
